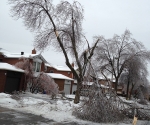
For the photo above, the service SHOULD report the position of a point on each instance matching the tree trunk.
(116, 85)
(77, 94)
(127, 96)
(131, 91)
(77, 97)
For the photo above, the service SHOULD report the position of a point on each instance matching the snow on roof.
(8, 54)
(87, 83)
(59, 76)
(18, 55)
(91, 83)
(62, 68)
(6, 66)
(47, 64)
(108, 77)
(103, 86)
(59, 68)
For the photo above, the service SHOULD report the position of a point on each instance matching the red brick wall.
(102, 81)
(42, 67)
(11, 61)
(60, 83)
(2, 80)
(23, 85)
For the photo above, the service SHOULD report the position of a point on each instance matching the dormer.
(37, 65)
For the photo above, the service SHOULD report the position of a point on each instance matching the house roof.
(6, 66)
(91, 83)
(59, 76)
(8, 54)
(55, 76)
(59, 68)
(109, 77)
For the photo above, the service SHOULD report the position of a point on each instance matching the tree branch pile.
(100, 108)
(110, 108)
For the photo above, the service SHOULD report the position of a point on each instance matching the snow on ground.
(40, 104)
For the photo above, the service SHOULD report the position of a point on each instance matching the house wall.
(2, 80)
(103, 81)
(42, 67)
(60, 83)
(64, 85)
(11, 61)
(23, 85)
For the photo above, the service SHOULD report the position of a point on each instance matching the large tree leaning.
(60, 26)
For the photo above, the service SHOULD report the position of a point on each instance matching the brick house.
(111, 83)
(37, 60)
(14, 77)
(40, 65)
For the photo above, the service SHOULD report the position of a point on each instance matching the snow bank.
(40, 104)
(7, 101)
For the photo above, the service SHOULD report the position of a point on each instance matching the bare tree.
(60, 26)
(134, 75)
(113, 55)
(25, 64)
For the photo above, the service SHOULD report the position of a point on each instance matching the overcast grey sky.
(101, 17)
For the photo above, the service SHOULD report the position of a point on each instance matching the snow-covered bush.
(46, 84)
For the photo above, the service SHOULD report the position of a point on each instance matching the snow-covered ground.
(59, 110)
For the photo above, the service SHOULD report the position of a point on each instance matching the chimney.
(34, 51)
(22, 53)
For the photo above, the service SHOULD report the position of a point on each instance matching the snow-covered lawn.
(59, 110)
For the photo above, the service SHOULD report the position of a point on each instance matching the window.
(1, 60)
(36, 66)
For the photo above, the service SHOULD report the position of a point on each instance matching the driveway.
(12, 117)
